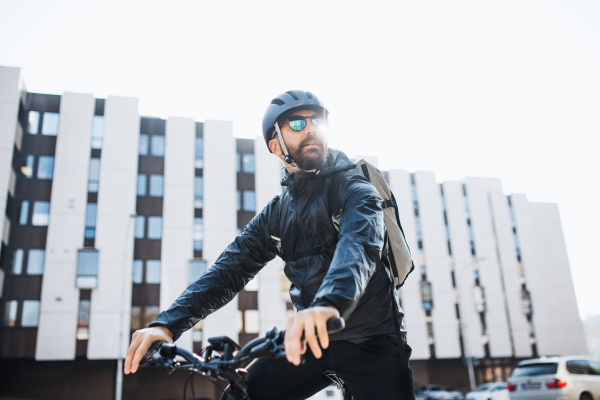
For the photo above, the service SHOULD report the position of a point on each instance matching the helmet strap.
(286, 154)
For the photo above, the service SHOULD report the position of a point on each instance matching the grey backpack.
(396, 248)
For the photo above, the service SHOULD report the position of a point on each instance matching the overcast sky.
(507, 89)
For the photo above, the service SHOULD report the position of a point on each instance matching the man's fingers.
(292, 340)
(141, 350)
(322, 332)
(130, 352)
(311, 338)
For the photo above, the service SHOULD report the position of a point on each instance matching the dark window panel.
(197, 213)
(22, 287)
(38, 145)
(247, 300)
(145, 294)
(147, 249)
(99, 108)
(152, 126)
(18, 342)
(149, 206)
(33, 189)
(245, 181)
(151, 165)
(199, 129)
(43, 102)
(28, 236)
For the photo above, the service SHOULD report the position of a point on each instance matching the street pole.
(119, 378)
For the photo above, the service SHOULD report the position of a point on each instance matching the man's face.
(308, 147)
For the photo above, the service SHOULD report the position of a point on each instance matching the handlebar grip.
(335, 325)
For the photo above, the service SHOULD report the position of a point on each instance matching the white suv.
(556, 378)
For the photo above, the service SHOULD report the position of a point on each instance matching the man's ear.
(275, 148)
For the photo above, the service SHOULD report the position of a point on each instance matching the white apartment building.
(110, 215)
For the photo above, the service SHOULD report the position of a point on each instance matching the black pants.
(373, 369)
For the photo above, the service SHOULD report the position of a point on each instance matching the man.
(345, 277)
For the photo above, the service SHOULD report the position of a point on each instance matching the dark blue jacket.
(349, 276)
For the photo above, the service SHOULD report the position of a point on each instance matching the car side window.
(578, 367)
(497, 388)
(594, 367)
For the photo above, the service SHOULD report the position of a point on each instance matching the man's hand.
(141, 341)
(306, 321)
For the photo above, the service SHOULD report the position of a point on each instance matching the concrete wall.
(220, 217)
(510, 273)
(60, 298)
(461, 255)
(10, 86)
(271, 305)
(178, 213)
(410, 293)
(489, 270)
(556, 320)
(439, 269)
(111, 301)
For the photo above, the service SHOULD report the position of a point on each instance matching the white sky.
(507, 89)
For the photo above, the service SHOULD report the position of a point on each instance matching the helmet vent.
(294, 95)
(309, 95)
(279, 102)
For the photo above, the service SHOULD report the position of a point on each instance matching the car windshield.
(535, 369)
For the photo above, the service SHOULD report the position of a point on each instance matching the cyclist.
(332, 275)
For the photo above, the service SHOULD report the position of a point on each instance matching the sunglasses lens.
(298, 124)
(318, 121)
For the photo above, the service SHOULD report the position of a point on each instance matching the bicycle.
(226, 366)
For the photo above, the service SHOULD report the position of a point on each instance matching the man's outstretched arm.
(234, 268)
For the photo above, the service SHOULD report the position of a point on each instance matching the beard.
(311, 158)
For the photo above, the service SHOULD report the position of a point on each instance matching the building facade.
(110, 215)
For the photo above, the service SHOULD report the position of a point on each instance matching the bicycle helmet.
(285, 104)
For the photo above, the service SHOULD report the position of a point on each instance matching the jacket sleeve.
(235, 267)
(359, 246)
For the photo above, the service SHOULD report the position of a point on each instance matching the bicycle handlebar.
(227, 366)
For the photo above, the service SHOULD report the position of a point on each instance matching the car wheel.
(586, 396)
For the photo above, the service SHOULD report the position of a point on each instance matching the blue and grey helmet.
(285, 104)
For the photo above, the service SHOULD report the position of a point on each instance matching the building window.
(27, 169)
(24, 212)
(94, 175)
(426, 295)
(83, 320)
(150, 313)
(141, 184)
(35, 262)
(479, 296)
(87, 269)
(90, 220)
(158, 145)
(17, 262)
(143, 145)
(45, 167)
(239, 200)
(197, 268)
(50, 124)
(139, 227)
(198, 190)
(97, 131)
(238, 162)
(34, 122)
(249, 200)
(248, 162)
(198, 234)
(199, 161)
(153, 271)
(31, 313)
(41, 212)
(137, 271)
(136, 318)
(156, 185)
(141, 317)
(10, 313)
(154, 227)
